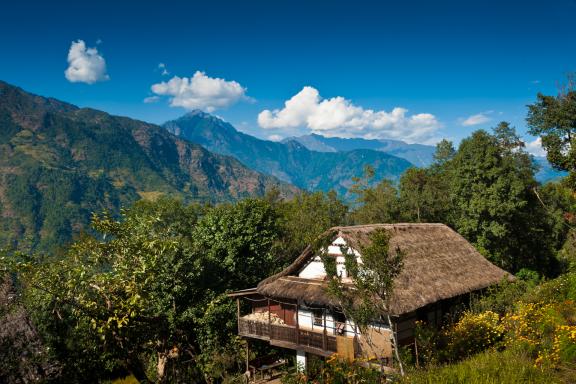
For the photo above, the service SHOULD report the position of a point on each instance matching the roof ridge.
(388, 225)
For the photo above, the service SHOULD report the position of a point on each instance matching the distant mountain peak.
(199, 114)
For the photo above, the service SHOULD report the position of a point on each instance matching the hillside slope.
(59, 163)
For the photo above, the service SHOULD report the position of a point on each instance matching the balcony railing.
(288, 335)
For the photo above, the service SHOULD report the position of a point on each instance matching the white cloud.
(339, 117)
(85, 65)
(151, 99)
(477, 119)
(535, 147)
(200, 92)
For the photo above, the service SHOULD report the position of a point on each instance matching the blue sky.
(417, 70)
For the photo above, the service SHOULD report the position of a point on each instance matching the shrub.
(426, 338)
(501, 298)
(554, 291)
(564, 347)
(474, 333)
(335, 371)
(546, 331)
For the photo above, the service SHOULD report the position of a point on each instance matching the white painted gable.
(315, 268)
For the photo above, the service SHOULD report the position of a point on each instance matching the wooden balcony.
(287, 336)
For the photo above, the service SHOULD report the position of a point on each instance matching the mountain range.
(59, 163)
(315, 162)
(418, 154)
(290, 161)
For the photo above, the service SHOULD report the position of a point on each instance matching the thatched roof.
(438, 264)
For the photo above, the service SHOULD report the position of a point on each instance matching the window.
(318, 317)
(339, 323)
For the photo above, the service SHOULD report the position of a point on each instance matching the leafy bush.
(554, 291)
(474, 333)
(500, 298)
(335, 371)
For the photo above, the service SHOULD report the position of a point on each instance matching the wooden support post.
(269, 321)
(247, 355)
(238, 313)
(297, 324)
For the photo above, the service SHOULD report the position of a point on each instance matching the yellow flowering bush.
(564, 347)
(527, 325)
(545, 330)
(474, 333)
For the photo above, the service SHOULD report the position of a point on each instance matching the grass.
(506, 367)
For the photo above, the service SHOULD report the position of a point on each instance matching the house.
(292, 309)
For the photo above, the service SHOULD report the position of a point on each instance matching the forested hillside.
(60, 163)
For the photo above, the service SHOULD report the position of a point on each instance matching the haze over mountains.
(59, 163)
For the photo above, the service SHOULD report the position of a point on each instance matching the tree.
(378, 204)
(147, 292)
(238, 242)
(553, 118)
(131, 289)
(367, 299)
(507, 138)
(559, 202)
(307, 216)
(412, 192)
(496, 209)
(424, 195)
(23, 356)
(444, 152)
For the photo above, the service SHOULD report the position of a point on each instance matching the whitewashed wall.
(315, 269)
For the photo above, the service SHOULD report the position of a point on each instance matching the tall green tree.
(553, 119)
(444, 152)
(424, 195)
(492, 191)
(238, 242)
(374, 204)
(305, 217)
